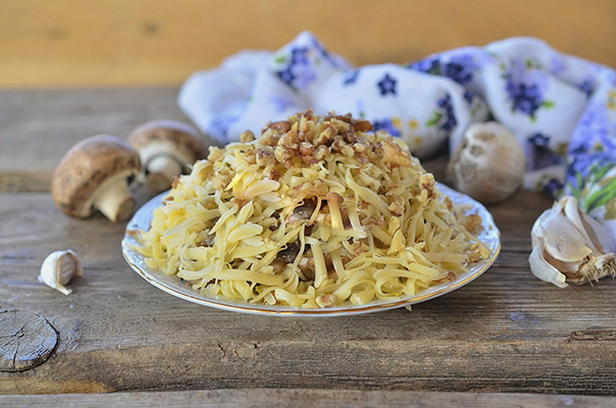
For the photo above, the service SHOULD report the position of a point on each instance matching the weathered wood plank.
(25, 181)
(303, 398)
(506, 332)
(38, 126)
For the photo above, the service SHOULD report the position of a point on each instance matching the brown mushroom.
(489, 164)
(167, 149)
(94, 174)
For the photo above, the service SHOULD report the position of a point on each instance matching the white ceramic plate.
(489, 235)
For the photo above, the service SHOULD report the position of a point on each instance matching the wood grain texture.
(38, 127)
(111, 42)
(303, 398)
(505, 332)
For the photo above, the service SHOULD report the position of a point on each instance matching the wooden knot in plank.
(26, 340)
(593, 335)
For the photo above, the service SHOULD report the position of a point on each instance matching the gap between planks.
(304, 397)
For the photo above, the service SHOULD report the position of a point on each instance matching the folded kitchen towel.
(561, 108)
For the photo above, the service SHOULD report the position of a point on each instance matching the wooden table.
(505, 333)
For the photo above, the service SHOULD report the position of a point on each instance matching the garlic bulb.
(489, 164)
(59, 268)
(570, 247)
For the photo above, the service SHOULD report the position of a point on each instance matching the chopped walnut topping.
(324, 137)
(335, 197)
(477, 252)
(394, 156)
(321, 152)
(427, 184)
(240, 202)
(247, 136)
(289, 140)
(275, 174)
(328, 300)
(265, 156)
(310, 189)
(396, 208)
(348, 151)
(282, 126)
(422, 197)
(323, 219)
(359, 147)
(306, 148)
(209, 204)
(283, 155)
(269, 137)
(472, 223)
(340, 124)
(450, 277)
(372, 221)
(216, 153)
(362, 126)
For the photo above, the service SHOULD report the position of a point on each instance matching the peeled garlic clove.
(569, 246)
(59, 268)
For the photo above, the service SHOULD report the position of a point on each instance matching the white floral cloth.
(561, 108)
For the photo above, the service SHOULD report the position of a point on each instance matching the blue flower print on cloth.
(444, 117)
(387, 85)
(591, 173)
(388, 125)
(459, 67)
(350, 77)
(526, 86)
(561, 108)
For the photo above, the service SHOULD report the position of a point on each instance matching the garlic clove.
(563, 241)
(599, 234)
(59, 268)
(569, 246)
(544, 270)
(581, 221)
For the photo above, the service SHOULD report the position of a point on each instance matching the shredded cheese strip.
(316, 212)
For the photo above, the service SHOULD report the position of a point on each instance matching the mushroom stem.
(165, 165)
(114, 200)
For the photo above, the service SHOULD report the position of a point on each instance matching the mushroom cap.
(85, 167)
(489, 164)
(181, 135)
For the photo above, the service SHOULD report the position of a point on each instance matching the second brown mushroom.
(167, 149)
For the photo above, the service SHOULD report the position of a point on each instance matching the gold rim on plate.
(489, 236)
